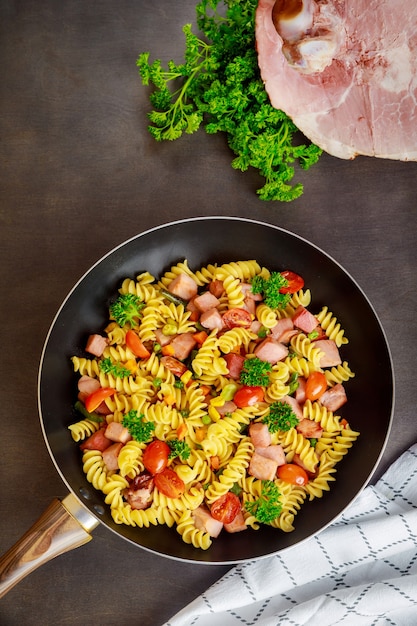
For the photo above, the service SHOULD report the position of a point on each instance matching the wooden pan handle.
(63, 526)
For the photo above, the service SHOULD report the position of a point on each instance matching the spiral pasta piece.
(331, 326)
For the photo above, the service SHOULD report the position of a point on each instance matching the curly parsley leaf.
(218, 86)
(127, 309)
(268, 506)
(179, 448)
(115, 369)
(280, 417)
(269, 288)
(255, 372)
(140, 430)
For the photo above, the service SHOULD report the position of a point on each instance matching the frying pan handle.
(64, 525)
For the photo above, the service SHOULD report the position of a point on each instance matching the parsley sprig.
(255, 372)
(268, 506)
(179, 448)
(269, 288)
(115, 369)
(280, 417)
(219, 87)
(127, 309)
(140, 430)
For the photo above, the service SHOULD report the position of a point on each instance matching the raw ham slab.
(365, 100)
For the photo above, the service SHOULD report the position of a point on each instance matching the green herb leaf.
(127, 309)
(140, 430)
(114, 369)
(268, 506)
(179, 448)
(255, 372)
(269, 289)
(280, 417)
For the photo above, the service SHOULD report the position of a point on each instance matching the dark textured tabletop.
(79, 174)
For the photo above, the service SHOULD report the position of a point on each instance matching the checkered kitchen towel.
(360, 571)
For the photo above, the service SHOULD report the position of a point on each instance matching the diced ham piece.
(87, 385)
(309, 429)
(262, 467)
(206, 301)
(271, 351)
(216, 288)
(300, 392)
(139, 493)
(212, 319)
(162, 339)
(110, 455)
(282, 326)
(204, 521)
(334, 398)
(228, 407)
(183, 344)
(115, 431)
(259, 435)
(304, 320)
(183, 286)
(96, 344)
(296, 407)
(96, 441)
(274, 452)
(174, 365)
(247, 290)
(331, 356)
(237, 524)
(234, 364)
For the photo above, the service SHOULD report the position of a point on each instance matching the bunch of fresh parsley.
(219, 87)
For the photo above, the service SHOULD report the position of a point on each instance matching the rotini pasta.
(172, 433)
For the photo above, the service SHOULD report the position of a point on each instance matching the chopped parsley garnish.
(255, 372)
(127, 309)
(269, 289)
(179, 448)
(280, 417)
(115, 369)
(268, 506)
(139, 429)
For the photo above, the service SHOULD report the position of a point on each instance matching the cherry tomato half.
(295, 282)
(225, 508)
(155, 457)
(169, 483)
(291, 473)
(316, 385)
(136, 346)
(240, 318)
(248, 396)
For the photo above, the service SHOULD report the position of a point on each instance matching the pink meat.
(212, 319)
(296, 407)
(334, 398)
(309, 428)
(274, 452)
(347, 74)
(110, 455)
(261, 467)
(183, 286)
(237, 524)
(271, 351)
(87, 385)
(115, 431)
(304, 320)
(331, 356)
(206, 301)
(260, 435)
(281, 328)
(96, 344)
(183, 344)
(204, 521)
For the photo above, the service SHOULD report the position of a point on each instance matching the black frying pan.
(202, 241)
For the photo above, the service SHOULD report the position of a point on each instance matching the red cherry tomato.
(136, 346)
(225, 508)
(169, 483)
(291, 473)
(248, 396)
(240, 318)
(155, 457)
(295, 282)
(316, 385)
(96, 398)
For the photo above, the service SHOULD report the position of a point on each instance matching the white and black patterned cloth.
(360, 571)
